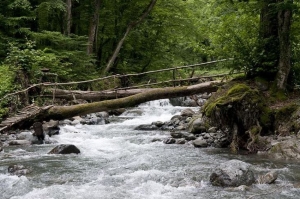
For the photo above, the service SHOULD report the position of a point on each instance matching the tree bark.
(93, 27)
(69, 16)
(284, 64)
(129, 28)
(63, 112)
(268, 48)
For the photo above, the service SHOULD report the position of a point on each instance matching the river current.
(119, 162)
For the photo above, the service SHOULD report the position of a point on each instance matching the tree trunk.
(93, 27)
(63, 112)
(69, 16)
(130, 26)
(284, 64)
(268, 40)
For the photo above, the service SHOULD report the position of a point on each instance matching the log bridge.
(103, 100)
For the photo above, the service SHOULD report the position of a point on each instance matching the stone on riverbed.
(65, 149)
(232, 173)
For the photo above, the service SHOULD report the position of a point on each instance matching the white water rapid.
(119, 162)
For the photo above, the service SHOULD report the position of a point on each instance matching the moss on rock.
(239, 108)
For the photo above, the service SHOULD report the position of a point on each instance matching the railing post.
(174, 77)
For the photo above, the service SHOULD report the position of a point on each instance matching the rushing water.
(118, 162)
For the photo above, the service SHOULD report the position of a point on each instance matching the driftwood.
(63, 112)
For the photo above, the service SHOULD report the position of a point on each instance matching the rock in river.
(65, 149)
(232, 173)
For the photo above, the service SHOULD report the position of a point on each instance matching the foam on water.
(118, 162)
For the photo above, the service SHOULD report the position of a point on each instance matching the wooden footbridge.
(118, 89)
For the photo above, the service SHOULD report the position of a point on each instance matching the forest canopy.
(71, 37)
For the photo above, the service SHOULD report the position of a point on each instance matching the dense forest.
(86, 39)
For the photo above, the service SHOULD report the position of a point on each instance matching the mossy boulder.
(235, 103)
(237, 107)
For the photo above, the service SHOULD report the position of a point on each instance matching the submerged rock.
(169, 141)
(65, 149)
(19, 142)
(232, 173)
(18, 170)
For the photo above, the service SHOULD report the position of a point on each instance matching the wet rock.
(197, 126)
(285, 149)
(116, 112)
(169, 141)
(176, 135)
(19, 142)
(268, 178)
(146, 127)
(205, 95)
(188, 136)
(183, 101)
(25, 135)
(51, 127)
(156, 140)
(102, 114)
(232, 173)
(1, 146)
(65, 122)
(176, 117)
(18, 170)
(158, 123)
(180, 141)
(65, 149)
(187, 112)
(200, 143)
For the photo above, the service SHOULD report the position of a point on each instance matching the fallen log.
(63, 112)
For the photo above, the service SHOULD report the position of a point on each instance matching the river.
(118, 162)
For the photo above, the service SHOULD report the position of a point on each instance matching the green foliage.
(7, 77)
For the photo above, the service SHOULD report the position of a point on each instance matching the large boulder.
(285, 148)
(232, 173)
(65, 149)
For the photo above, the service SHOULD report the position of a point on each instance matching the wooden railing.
(118, 78)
